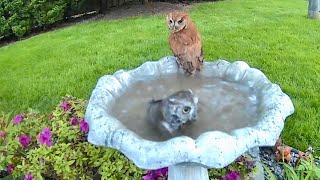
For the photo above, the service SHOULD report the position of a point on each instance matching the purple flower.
(45, 137)
(29, 176)
(66, 106)
(18, 118)
(3, 134)
(84, 126)
(46, 132)
(233, 175)
(10, 168)
(148, 176)
(159, 174)
(74, 121)
(24, 140)
(164, 171)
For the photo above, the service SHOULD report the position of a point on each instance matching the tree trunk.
(103, 6)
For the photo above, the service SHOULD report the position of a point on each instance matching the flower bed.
(36, 146)
(54, 146)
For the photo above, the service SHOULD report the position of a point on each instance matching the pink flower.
(74, 121)
(66, 106)
(45, 137)
(29, 176)
(84, 127)
(3, 134)
(24, 140)
(10, 168)
(18, 118)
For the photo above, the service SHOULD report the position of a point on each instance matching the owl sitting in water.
(185, 42)
(169, 114)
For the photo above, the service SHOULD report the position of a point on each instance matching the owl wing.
(177, 49)
(194, 54)
(175, 46)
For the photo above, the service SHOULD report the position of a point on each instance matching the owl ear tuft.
(168, 16)
(196, 100)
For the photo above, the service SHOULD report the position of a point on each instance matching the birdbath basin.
(188, 156)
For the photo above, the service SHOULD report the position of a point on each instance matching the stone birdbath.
(187, 157)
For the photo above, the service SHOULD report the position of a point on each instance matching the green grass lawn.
(271, 35)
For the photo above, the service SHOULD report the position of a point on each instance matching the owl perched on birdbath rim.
(185, 42)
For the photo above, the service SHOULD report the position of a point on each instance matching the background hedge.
(19, 17)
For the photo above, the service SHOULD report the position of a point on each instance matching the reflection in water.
(223, 106)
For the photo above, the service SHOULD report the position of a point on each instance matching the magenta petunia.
(10, 168)
(3, 134)
(18, 118)
(233, 175)
(164, 171)
(24, 140)
(148, 176)
(160, 173)
(29, 176)
(74, 121)
(46, 132)
(84, 127)
(45, 137)
(66, 106)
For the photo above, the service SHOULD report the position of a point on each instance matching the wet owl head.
(177, 21)
(180, 108)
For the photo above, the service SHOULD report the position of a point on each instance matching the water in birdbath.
(223, 105)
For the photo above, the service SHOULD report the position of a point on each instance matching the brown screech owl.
(185, 42)
(169, 114)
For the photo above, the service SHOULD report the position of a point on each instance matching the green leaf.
(71, 162)
(67, 168)
(269, 172)
(317, 171)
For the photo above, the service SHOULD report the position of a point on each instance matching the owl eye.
(186, 109)
(170, 21)
(180, 21)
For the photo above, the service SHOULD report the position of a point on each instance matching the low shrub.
(242, 168)
(18, 17)
(36, 146)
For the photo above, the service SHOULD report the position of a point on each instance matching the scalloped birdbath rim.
(213, 149)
